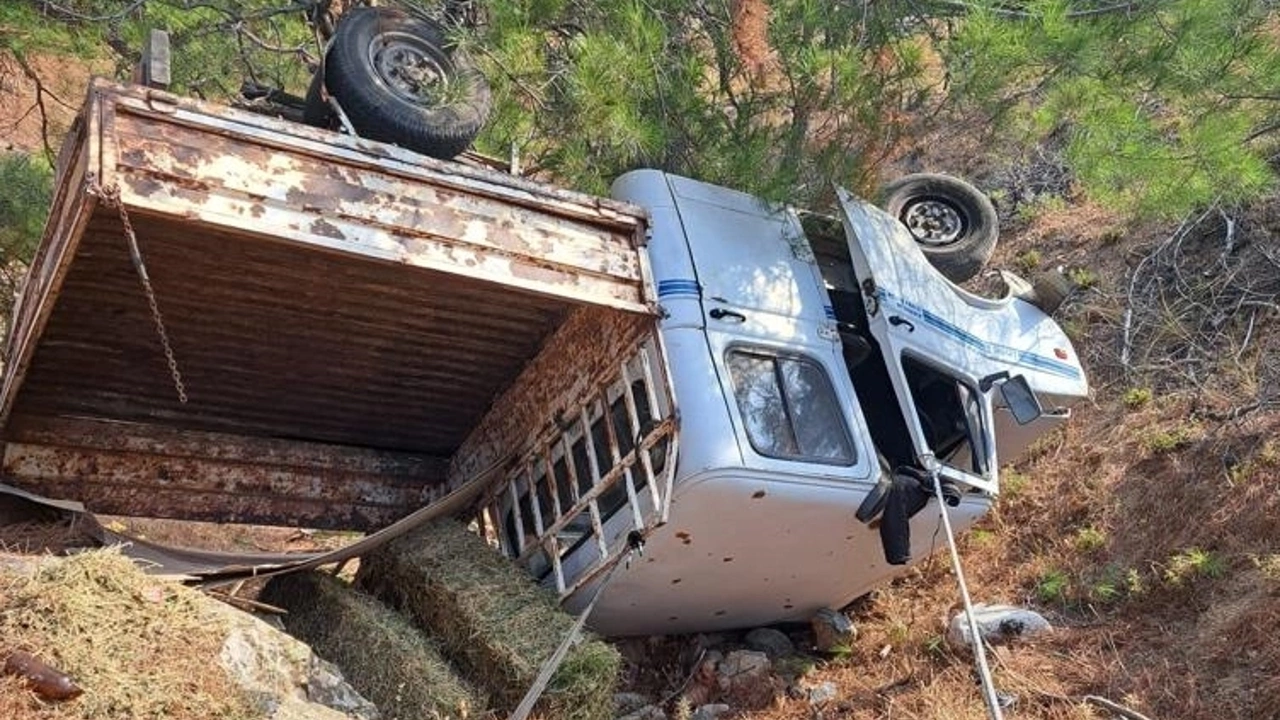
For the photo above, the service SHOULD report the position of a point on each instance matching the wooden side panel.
(154, 471)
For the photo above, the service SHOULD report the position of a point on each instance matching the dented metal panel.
(315, 288)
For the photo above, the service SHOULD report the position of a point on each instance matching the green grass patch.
(1028, 261)
(1052, 586)
(1083, 277)
(1166, 441)
(1089, 539)
(1193, 564)
(1013, 483)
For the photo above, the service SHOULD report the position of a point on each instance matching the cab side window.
(950, 415)
(789, 407)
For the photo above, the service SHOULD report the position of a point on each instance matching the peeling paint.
(320, 226)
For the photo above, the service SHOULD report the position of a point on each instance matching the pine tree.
(1164, 106)
(779, 98)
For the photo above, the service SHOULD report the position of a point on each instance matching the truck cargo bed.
(342, 313)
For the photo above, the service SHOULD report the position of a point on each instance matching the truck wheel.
(952, 221)
(398, 81)
(316, 112)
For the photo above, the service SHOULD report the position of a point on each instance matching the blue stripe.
(1002, 352)
(678, 287)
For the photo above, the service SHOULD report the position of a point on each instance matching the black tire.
(873, 504)
(952, 221)
(399, 81)
(316, 112)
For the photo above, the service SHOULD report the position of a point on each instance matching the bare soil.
(29, 118)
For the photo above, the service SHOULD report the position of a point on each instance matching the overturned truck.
(243, 319)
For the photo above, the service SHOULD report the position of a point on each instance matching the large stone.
(997, 624)
(773, 643)
(648, 712)
(706, 684)
(821, 693)
(745, 678)
(625, 703)
(283, 676)
(832, 631)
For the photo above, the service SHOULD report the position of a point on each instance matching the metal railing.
(567, 507)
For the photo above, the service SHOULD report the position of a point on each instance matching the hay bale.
(491, 619)
(382, 655)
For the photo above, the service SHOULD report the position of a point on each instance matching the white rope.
(570, 639)
(979, 647)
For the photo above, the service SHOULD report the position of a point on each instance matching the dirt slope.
(1146, 531)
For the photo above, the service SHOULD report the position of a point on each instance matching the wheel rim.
(410, 68)
(933, 222)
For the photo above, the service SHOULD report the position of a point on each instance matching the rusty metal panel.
(154, 471)
(583, 351)
(275, 342)
(78, 164)
(175, 159)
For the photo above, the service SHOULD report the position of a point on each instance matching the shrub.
(1135, 398)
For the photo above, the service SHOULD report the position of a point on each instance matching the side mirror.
(1020, 399)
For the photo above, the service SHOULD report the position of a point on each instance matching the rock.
(997, 624)
(821, 694)
(648, 712)
(625, 703)
(709, 712)
(773, 643)
(281, 673)
(745, 678)
(832, 631)
(327, 686)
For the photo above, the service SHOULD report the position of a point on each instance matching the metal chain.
(111, 196)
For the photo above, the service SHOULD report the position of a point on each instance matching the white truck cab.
(817, 378)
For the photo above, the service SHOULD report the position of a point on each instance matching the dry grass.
(35, 538)
(380, 652)
(140, 648)
(492, 620)
(229, 537)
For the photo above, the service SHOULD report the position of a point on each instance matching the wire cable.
(979, 647)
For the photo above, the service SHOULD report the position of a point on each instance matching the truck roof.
(342, 313)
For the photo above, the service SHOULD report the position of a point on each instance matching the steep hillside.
(1146, 530)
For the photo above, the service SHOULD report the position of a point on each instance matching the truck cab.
(810, 362)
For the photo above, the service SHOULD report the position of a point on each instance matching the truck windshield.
(950, 414)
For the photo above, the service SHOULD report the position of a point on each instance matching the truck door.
(912, 312)
(771, 333)
(940, 342)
